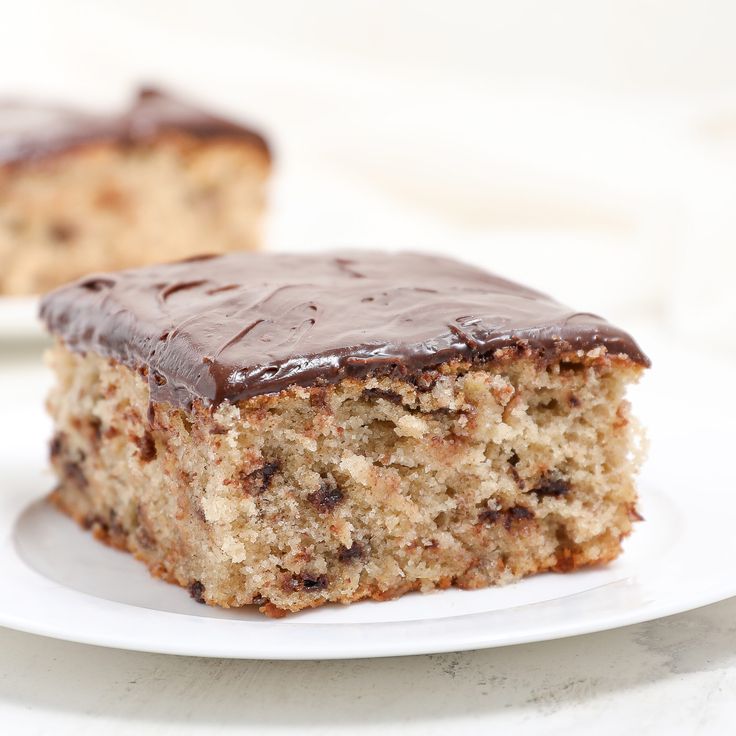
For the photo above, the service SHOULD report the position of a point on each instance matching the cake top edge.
(33, 130)
(225, 328)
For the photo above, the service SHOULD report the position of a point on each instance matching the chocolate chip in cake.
(379, 393)
(290, 583)
(307, 582)
(259, 481)
(56, 447)
(95, 424)
(196, 590)
(73, 472)
(267, 473)
(348, 554)
(489, 516)
(516, 513)
(313, 583)
(513, 462)
(551, 486)
(508, 516)
(93, 520)
(146, 447)
(327, 497)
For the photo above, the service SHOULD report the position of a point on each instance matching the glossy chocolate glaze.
(239, 325)
(31, 131)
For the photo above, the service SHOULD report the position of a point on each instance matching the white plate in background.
(19, 318)
(59, 582)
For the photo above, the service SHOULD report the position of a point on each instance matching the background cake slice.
(161, 181)
(288, 431)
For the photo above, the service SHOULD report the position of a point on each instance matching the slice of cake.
(290, 430)
(82, 193)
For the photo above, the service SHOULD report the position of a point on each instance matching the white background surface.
(584, 147)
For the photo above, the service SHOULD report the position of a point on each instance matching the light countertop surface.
(675, 675)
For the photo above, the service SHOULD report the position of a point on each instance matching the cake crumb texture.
(467, 475)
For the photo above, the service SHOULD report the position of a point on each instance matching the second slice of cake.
(288, 431)
(81, 192)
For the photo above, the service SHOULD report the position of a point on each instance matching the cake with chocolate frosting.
(83, 192)
(287, 431)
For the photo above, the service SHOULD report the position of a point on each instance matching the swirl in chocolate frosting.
(224, 328)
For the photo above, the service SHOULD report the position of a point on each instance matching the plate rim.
(19, 320)
(348, 640)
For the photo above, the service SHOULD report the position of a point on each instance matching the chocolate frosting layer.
(31, 131)
(229, 327)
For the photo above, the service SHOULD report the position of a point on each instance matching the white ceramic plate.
(57, 581)
(19, 318)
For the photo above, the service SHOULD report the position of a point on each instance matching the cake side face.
(288, 431)
(465, 475)
(82, 193)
